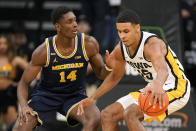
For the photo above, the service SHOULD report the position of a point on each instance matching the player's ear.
(57, 26)
(138, 27)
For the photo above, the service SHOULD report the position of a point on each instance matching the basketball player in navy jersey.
(155, 62)
(63, 60)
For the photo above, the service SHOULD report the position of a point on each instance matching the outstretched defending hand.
(84, 103)
(109, 59)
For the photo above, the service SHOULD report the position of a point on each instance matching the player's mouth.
(124, 42)
(74, 31)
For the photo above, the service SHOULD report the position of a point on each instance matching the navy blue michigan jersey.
(61, 87)
(64, 74)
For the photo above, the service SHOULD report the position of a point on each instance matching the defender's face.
(128, 33)
(67, 25)
(3, 45)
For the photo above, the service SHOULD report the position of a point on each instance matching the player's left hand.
(109, 59)
(157, 94)
(84, 103)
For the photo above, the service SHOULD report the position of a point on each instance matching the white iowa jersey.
(145, 67)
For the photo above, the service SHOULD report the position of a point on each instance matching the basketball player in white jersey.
(155, 62)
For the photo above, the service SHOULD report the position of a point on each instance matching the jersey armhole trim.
(83, 47)
(122, 51)
(146, 42)
(48, 53)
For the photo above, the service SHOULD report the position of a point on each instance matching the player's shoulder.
(39, 55)
(154, 42)
(91, 45)
(40, 50)
(90, 41)
(155, 46)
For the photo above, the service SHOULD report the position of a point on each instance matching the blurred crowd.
(188, 14)
(97, 18)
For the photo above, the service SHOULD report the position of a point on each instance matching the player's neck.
(133, 47)
(64, 42)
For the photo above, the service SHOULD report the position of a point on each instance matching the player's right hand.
(84, 103)
(23, 111)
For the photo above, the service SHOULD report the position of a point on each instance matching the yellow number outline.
(71, 76)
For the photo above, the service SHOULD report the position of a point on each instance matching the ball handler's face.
(67, 25)
(128, 33)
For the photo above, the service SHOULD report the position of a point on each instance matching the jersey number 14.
(71, 76)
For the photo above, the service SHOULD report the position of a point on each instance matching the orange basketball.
(143, 102)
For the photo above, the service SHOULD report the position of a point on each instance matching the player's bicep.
(38, 60)
(156, 56)
(95, 59)
(97, 63)
(30, 73)
(118, 63)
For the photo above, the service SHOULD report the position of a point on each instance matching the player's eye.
(126, 31)
(69, 21)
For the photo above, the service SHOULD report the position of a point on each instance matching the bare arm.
(95, 59)
(114, 77)
(110, 82)
(155, 50)
(37, 61)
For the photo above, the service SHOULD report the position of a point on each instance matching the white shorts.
(178, 98)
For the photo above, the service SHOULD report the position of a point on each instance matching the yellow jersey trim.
(181, 83)
(38, 119)
(83, 47)
(40, 122)
(69, 56)
(48, 52)
(68, 112)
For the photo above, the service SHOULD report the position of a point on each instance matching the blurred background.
(26, 23)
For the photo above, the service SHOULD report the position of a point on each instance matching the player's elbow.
(101, 75)
(116, 76)
(166, 72)
(22, 84)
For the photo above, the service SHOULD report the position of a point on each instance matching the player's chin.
(126, 44)
(73, 34)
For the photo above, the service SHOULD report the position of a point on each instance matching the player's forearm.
(103, 73)
(22, 93)
(110, 82)
(162, 76)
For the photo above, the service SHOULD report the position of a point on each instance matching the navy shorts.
(44, 105)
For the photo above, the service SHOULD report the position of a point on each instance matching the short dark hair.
(127, 15)
(58, 13)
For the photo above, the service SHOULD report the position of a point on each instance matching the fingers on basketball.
(146, 108)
